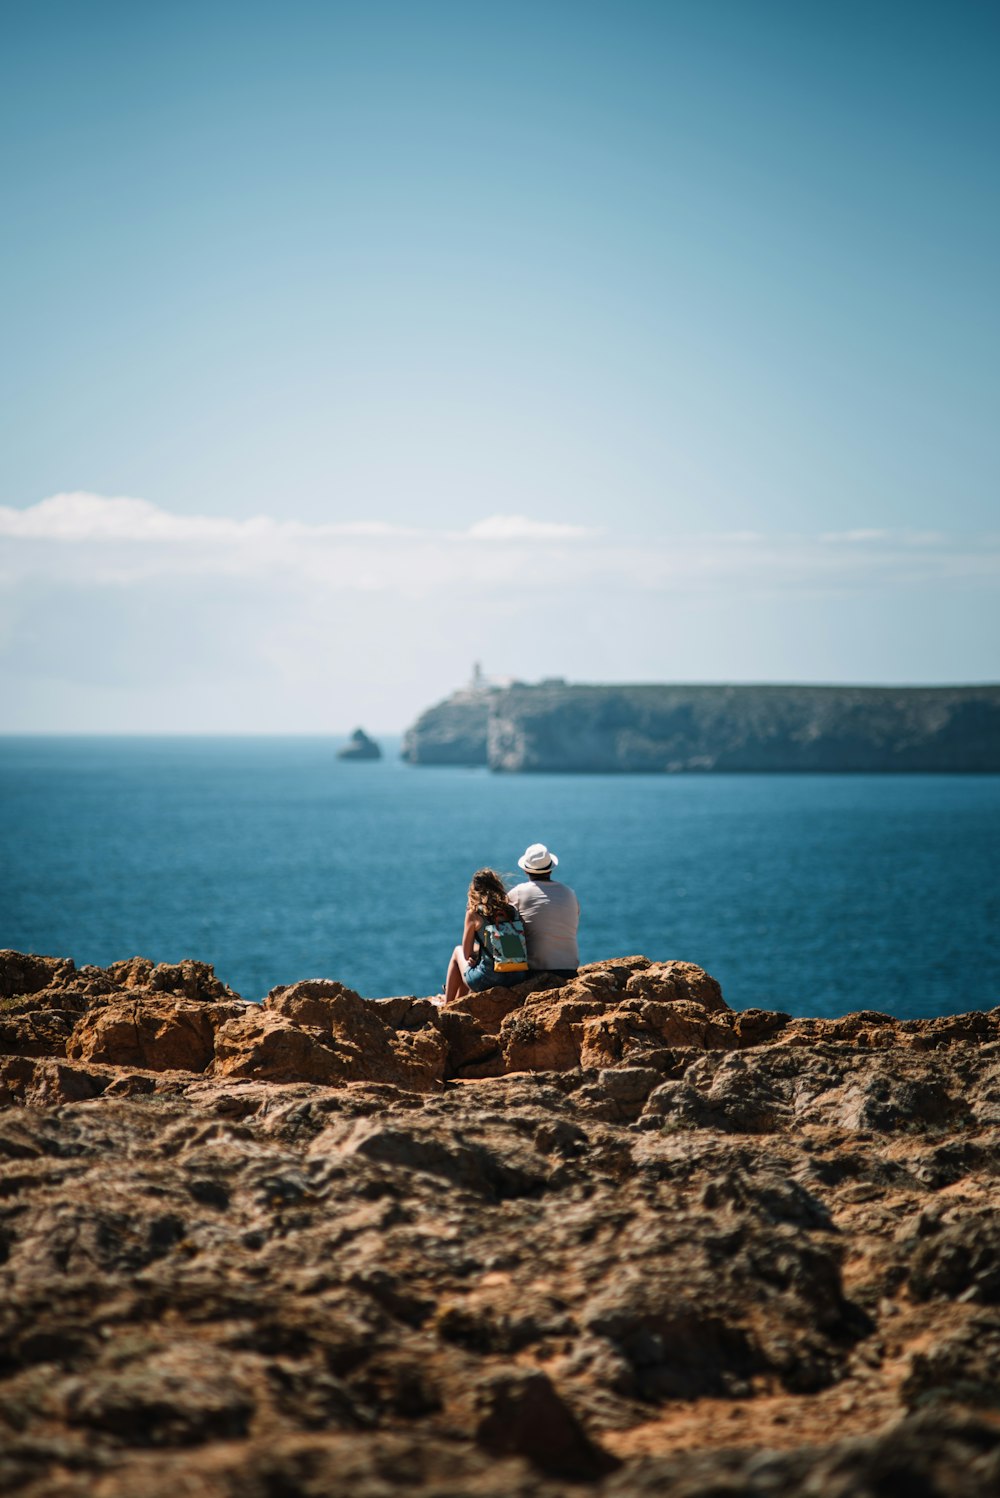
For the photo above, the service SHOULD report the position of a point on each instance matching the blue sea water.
(275, 861)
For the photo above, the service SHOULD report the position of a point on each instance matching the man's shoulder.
(541, 892)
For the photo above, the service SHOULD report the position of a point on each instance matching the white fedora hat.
(537, 859)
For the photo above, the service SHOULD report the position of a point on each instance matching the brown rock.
(35, 1032)
(131, 972)
(46, 1084)
(587, 1024)
(614, 972)
(757, 1026)
(322, 1003)
(405, 1013)
(546, 1035)
(180, 1396)
(151, 1030)
(268, 1046)
(517, 1412)
(24, 973)
(670, 982)
(638, 1026)
(322, 1463)
(737, 1267)
(194, 980)
(472, 1050)
(191, 980)
(317, 1031)
(70, 1000)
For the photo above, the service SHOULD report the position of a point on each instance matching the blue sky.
(347, 343)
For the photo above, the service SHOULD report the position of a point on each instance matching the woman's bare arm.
(472, 924)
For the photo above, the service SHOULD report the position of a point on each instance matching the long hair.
(488, 896)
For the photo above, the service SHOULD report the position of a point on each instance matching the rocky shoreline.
(605, 1236)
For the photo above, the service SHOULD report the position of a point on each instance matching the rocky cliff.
(558, 727)
(602, 1237)
(451, 733)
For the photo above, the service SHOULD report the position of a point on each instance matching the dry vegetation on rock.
(606, 1237)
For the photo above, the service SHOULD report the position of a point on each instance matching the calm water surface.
(275, 861)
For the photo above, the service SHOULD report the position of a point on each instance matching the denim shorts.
(484, 975)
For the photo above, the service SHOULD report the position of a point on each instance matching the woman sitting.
(493, 953)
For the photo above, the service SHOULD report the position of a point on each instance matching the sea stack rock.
(359, 746)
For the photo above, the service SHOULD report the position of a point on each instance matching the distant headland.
(556, 726)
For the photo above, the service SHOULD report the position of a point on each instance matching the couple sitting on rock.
(512, 934)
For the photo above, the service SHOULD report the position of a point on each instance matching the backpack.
(505, 942)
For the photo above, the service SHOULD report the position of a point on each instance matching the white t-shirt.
(551, 915)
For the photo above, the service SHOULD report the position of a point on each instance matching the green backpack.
(505, 942)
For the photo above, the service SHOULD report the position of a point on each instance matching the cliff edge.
(649, 728)
(452, 732)
(604, 1236)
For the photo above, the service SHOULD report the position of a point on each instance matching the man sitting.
(551, 914)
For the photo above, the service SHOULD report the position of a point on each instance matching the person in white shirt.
(551, 914)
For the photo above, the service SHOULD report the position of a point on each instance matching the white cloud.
(94, 540)
(521, 528)
(93, 517)
(81, 516)
(852, 537)
(118, 614)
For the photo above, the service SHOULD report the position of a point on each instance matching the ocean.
(275, 861)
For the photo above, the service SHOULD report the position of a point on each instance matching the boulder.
(152, 1030)
(195, 981)
(677, 982)
(616, 1014)
(35, 1032)
(47, 1083)
(25, 973)
(320, 1031)
(183, 1395)
(517, 1412)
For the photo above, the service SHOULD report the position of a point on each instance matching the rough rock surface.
(606, 1237)
(556, 726)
